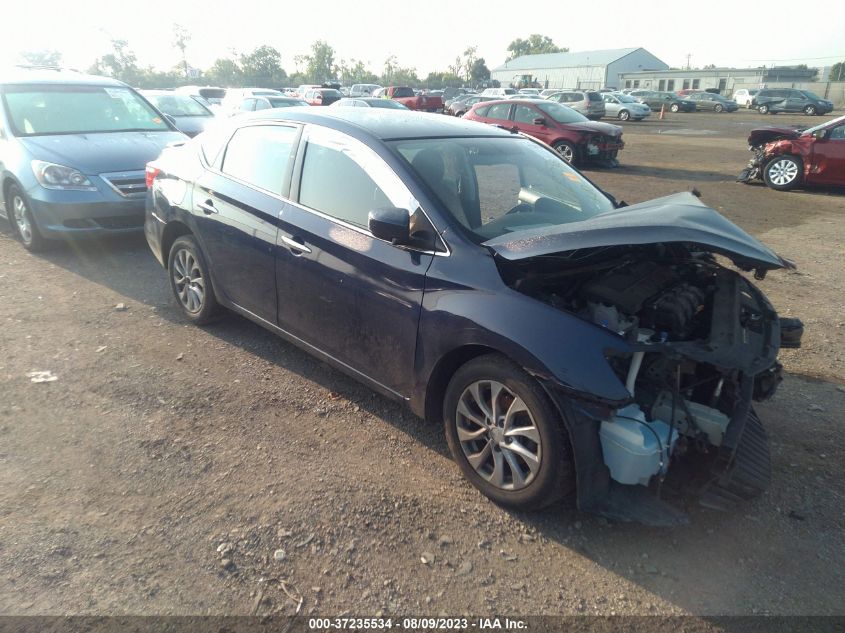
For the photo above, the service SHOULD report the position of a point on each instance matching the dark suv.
(776, 100)
(73, 149)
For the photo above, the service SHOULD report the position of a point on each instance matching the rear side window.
(259, 155)
(594, 96)
(499, 111)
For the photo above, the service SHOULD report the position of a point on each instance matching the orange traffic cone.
(662, 112)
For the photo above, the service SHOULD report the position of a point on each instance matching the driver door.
(829, 158)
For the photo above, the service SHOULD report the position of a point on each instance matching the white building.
(584, 70)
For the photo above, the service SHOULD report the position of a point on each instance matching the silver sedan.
(624, 107)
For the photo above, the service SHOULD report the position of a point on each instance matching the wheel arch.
(172, 231)
(442, 374)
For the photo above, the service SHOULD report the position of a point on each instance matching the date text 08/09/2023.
(415, 624)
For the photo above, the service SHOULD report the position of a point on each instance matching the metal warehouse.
(725, 80)
(583, 70)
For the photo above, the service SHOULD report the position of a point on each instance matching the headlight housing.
(53, 176)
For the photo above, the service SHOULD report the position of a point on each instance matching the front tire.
(506, 436)
(567, 151)
(624, 115)
(810, 110)
(23, 224)
(674, 107)
(190, 281)
(783, 173)
(718, 108)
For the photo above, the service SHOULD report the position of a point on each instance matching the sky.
(429, 34)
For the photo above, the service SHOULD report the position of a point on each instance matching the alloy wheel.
(624, 115)
(188, 280)
(498, 435)
(566, 152)
(783, 172)
(22, 221)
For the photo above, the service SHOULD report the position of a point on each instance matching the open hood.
(680, 217)
(762, 135)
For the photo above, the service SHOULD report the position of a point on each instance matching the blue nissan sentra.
(72, 154)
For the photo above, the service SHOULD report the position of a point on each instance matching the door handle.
(295, 245)
(207, 207)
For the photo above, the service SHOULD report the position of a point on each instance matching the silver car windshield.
(495, 186)
(39, 109)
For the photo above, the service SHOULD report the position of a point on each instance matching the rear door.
(236, 207)
(352, 296)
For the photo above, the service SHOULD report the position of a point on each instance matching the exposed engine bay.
(704, 343)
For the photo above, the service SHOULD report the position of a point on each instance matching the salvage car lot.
(166, 466)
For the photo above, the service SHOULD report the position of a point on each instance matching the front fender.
(556, 347)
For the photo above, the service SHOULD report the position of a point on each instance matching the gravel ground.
(177, 470)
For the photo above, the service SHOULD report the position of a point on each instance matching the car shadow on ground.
(671, 173)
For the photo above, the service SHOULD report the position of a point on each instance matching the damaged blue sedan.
(571, 345)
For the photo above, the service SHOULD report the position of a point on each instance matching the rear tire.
(506, 435)
(190, 281)
(783, 173)
(23, 224)
(763, 109)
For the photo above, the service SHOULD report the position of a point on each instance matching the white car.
(529, 91)
(744, 97)
(624, 107)
(234, 98)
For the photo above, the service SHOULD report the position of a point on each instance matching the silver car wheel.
(498, 435)
(188, 281)
(783, 172)
(566, 152)
(22, 221)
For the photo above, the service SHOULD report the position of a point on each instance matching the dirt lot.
(167, 466)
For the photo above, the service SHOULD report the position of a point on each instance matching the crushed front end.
(703, 344)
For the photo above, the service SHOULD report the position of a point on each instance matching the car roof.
(383, 124)
(19, 75)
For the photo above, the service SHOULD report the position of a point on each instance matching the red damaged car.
(574, 136)
(785, 158)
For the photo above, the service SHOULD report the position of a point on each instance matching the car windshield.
(386, 103)
(561, 113)
(626, 99)
(816, 128)
(495, 186)
(179, 105)
(41, 109)
(285, 102)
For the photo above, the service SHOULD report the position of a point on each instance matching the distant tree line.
(262, 67)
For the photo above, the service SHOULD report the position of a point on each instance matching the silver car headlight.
(53, 176)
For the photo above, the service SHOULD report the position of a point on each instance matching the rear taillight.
(151, 173)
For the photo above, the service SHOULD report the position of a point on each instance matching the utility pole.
(688, 58)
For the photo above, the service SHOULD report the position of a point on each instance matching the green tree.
(181, 37)
(355, 72)
(121, 63)
(319, 65)
(443, 80)
(534, 45)
(262, 68)
(224, 72)
(837, 71)
(42, 58)
(478, 72)
(396, 75)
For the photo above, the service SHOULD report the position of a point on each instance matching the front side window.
(561, 113)
(41, 109)
(838, 133)
(495, 186)
(346, 180)
(259, 155)
(525, 114)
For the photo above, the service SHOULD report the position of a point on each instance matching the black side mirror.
(539, 121)
(391, 224)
